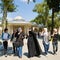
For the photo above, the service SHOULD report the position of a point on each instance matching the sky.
(24, 9)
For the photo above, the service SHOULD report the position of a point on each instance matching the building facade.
(15, 23)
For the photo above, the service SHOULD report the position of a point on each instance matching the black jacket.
(20, 38)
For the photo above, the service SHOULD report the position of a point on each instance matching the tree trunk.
(4, 19)
(52, 26)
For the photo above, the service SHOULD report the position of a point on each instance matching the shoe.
(6, 55)
(56, 50)
(20, 56)
(54, 53)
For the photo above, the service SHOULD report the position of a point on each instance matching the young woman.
(55, 41)
(19, 41)
(45, 40)
(5, 38)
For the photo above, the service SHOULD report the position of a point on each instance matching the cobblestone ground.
(10, 56)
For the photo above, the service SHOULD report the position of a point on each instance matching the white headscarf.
(46, 36)
(45, 32)
(19, 29)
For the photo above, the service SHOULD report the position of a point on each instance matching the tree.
(38, 20)
(55, 6)
(6, 6)
(56, 21)
(43, 12)
(33, 1)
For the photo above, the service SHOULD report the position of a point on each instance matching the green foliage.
(9, 4)
(57, 22)
(54, 4)
(11, 8)
(33, 1)
(43, 12)
(6, 6)
(38, 19)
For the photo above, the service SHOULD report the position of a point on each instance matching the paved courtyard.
(10, 56)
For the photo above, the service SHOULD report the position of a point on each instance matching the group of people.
(34, 48)
(47, 37)
(16, 39)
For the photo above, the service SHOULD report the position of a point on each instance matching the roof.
(18, 22)
(19, 18)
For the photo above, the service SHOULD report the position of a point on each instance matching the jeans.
(5, 44)
(19, 49)
(55, 47)
(14, 48)
(46, 48)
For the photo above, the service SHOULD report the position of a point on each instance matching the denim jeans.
(55, 47)
(19, 49)
(46, 48)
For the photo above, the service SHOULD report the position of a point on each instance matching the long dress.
(33, 45)
(37, 46)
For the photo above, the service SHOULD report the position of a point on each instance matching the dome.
(19, 18)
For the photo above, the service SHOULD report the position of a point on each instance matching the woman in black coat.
(33, 45)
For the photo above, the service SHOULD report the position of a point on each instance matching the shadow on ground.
(26, 54)
(9, 51)
(43, 53)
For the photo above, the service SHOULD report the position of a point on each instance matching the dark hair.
(5, 29)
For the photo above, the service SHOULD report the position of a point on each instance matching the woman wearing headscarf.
(33, 45)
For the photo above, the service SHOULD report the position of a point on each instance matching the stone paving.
(10, 56)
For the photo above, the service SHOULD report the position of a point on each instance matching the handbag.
(16, 44)
(14, 39)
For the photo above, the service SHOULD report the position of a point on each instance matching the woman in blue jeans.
(55, 41)
(45, 40)
(19, 41)
(46, 48)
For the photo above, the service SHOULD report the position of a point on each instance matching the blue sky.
(24, 10)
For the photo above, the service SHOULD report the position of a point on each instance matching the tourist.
(55, 41)
(19, 41)
(13, 39)
(45, 40)
(5, 38)
(33, 45)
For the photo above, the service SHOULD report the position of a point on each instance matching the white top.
(46, 38)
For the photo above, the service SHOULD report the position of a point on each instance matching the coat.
(19, 39)
(33, 45)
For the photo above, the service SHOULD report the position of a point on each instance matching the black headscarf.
(37, 46)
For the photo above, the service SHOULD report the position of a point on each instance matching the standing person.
(5, 38)
(19, 42)
(45, 40)
(37, 46)
(33, 45)
(13, 39)
(55, 41)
